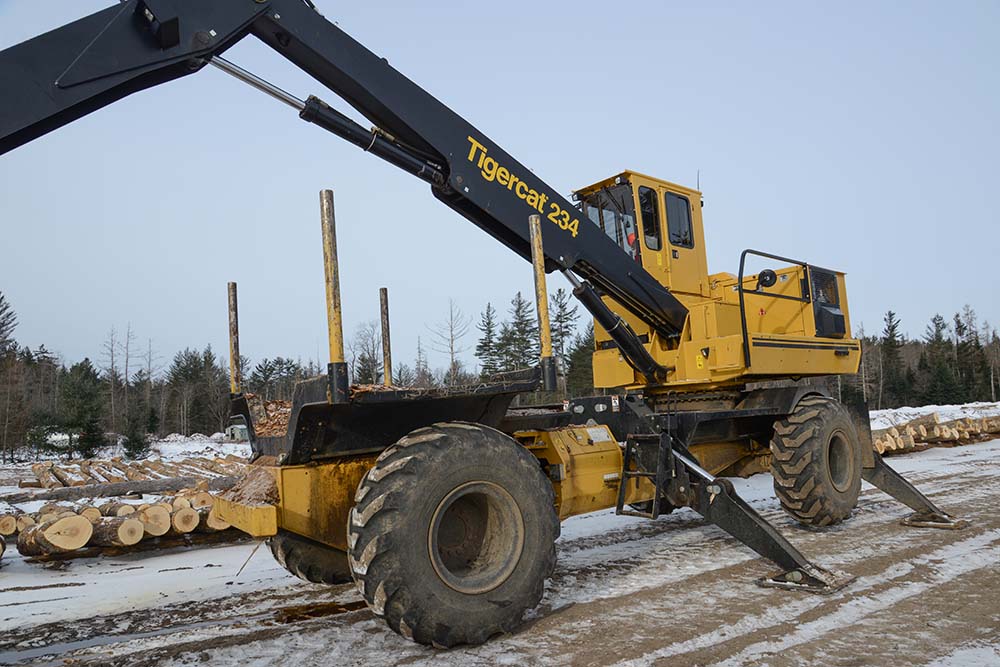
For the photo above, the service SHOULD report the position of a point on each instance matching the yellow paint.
(584, 464)
(541, 292)
(779, 329)
(255, 520)
(331, 272)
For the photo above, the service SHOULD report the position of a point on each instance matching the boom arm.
(55, 78)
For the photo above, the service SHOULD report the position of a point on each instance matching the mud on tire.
(453, 534)
(309, 560)
(816, 462)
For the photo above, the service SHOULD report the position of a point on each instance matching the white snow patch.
(112, 585)
(977, 655)
(894, 416)
(180, 447)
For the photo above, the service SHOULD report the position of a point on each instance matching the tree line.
(954, 361)
(129, 394)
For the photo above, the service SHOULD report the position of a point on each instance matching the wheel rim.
(839, 461)
(476, 537)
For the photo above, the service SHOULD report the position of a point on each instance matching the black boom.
(55, 78)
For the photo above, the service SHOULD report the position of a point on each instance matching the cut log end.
(8, 525)
(155, 520)
(92, 513)
(57, 536)
(184, 520)
(122, 531)
(114, 509)
(210, 521)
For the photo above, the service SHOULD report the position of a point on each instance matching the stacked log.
(24, 521)
(120, 531)
(58, 536)
(52, 475)
(8, 525)
(210, 522)
(184, 520)
(115, 508)
(155, 520)
(92, 513)
(929, 430)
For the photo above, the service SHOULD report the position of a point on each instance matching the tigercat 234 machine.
(443, 506)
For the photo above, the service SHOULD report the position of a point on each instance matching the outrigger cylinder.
(337, 369)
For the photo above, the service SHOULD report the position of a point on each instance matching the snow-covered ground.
(173, 446)
(626, 591)
(894, 416)
(176, 446)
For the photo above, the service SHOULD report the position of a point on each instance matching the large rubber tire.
(453, 534)
(309, 560)
(816, 462)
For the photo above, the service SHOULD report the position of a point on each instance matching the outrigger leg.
(717, 501)
(667, 463)
(926, 515)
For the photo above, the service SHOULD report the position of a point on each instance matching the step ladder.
(652, 455)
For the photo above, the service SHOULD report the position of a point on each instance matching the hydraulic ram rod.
(318, 112)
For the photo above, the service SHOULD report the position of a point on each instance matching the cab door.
(685, 261)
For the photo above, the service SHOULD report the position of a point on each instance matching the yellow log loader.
(443, 505)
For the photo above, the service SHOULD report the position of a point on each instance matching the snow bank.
(176, 446)
(887, 418)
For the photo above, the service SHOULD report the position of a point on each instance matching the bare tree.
(152, 361)
(111, 369)
(366, 353)
(126, 346)
(447, 339)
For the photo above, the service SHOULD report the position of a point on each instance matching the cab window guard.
(805, 291)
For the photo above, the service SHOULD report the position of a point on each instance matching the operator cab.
(656, 223)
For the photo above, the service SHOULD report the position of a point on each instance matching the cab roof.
(629, 175)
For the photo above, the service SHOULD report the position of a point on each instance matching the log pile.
(60, 529)
(270, 418)
(930, 431)
(52, 475)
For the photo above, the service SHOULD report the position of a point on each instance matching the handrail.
(807, 298)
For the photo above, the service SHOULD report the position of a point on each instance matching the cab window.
(613, 211)
(649, 209)
(679, 220)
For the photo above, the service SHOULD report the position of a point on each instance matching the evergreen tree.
(8, 322)
(81, 403)
(403, 376)
(91, 438)
(580, 374)
(518, 339)
(893, 388)
(136, 440)
(422, 376)
(486, 348)
(937, 381)
(970, 357)
(367, 369)
(564, 317)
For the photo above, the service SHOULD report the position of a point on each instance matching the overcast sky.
(859, 136)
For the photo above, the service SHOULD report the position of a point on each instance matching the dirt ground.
(625, 592)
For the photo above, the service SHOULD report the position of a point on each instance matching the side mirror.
(766, 278)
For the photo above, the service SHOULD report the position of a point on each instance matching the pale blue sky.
(858, 136)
